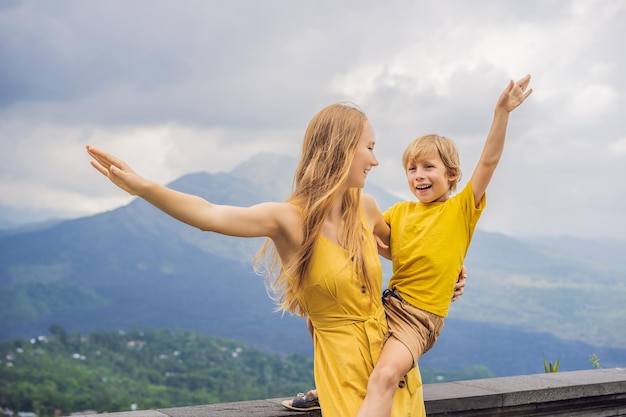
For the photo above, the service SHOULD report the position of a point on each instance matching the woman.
(322, 256)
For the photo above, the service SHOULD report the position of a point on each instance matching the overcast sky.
(175, 87)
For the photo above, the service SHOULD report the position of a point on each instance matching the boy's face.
(428, 178)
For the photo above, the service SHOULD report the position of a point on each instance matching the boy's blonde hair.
(427, 145)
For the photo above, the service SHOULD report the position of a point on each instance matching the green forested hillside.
(109, 371)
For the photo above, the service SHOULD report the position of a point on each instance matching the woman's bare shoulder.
(369, 204)
(290, 234)
(285, 215)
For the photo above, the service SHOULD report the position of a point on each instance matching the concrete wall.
(597, 393)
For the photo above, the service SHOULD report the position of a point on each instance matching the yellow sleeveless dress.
(349, 333)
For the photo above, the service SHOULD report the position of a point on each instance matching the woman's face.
(364, 158)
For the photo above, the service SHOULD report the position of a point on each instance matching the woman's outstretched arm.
(266, 219)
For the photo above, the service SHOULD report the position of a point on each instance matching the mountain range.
(134, 267)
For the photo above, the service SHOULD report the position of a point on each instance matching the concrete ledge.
(598, 393)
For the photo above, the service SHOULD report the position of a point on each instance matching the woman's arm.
(378, 224)
(266, 219)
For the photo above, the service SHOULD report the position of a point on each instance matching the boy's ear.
(453, 177)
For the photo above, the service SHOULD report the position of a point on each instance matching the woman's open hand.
(116, 170)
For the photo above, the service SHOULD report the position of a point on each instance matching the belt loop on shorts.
(391, 292)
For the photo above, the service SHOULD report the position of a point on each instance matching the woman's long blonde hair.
(329, 145)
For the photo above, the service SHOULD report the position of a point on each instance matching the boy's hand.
(515, 94)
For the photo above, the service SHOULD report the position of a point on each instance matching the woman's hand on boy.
(460, 284)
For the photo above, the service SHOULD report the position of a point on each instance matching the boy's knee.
(385, 377)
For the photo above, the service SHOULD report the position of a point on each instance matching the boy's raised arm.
(514, 95)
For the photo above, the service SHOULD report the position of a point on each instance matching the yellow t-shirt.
(428, 247)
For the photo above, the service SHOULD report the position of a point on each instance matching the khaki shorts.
(417, 329)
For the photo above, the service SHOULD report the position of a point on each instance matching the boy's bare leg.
(394, 363)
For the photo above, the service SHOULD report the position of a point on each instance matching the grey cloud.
(256, 71)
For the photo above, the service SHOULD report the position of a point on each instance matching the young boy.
(429, 240)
